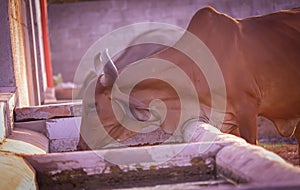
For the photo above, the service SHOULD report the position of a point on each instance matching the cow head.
(107, 115)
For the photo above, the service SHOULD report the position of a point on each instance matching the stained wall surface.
(74, 27)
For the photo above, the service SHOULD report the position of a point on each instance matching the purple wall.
(74, 27)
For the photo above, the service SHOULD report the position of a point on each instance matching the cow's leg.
(248, 129)
(82, 145)
(297, 134)
(247, 121)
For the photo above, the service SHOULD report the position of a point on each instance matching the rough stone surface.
(63, 133)
(154, 135)
(63, 145)
(48, 111)
(16, 173)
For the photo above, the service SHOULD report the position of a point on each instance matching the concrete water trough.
(209, 160)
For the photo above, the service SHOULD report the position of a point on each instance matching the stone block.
(37, 126)
(48, 111)
(63, 128)
(63, 133)
(9, 100)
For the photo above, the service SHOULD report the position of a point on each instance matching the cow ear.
(110, 71)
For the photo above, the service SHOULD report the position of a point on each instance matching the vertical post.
(46, 43)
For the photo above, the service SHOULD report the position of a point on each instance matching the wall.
(7, 78)
(18, 25)
(18, 55)
(74, 27)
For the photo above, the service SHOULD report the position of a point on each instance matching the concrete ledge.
(48, 111)
(241, 161)
(233, 157)
(256, 165)
(8, 101)
(16, 173)
(97, 162)
(113, 167)
(33, 138)
(37, 126)
(62, 134)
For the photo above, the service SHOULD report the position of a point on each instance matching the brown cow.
(260, 61)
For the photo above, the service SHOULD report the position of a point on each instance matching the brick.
(48, 111)
(63, 128)
(63, 134)
(37, 126)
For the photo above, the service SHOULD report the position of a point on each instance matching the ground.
(289, 152)
(269, 138)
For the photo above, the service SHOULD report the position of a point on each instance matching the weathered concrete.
(100, 169)
(9, 101)
(48, 111)
(16, 173)
(126, 158)
(37, 126)
(7, 78)
(256, 165)
(151, 135)
(234, 158)
(25, 136)
(63, 133)
(242, 161)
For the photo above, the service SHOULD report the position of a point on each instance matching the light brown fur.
(260, 61)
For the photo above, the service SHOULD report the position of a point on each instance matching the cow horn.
(110, 71)
(97, 61)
